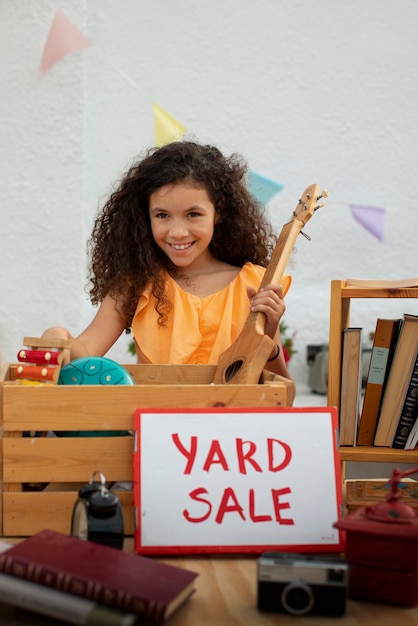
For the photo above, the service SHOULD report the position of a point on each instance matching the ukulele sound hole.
(233, 369)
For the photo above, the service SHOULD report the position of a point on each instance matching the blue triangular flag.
(262, 188)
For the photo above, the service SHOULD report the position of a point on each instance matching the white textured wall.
(310, 91)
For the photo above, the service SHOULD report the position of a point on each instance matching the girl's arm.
(105, 328)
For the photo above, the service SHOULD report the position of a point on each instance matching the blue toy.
(94, 370)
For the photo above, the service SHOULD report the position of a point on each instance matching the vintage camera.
(300, 584)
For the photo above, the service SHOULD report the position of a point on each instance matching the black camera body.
(302, 584)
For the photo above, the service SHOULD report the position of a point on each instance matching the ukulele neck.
(275, 268)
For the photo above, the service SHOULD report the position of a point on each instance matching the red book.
(129, 582)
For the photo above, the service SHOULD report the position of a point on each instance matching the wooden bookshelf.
(340, 302)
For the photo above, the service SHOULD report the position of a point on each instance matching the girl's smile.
(181, 247)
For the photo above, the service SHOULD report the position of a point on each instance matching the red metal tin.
(382, 549)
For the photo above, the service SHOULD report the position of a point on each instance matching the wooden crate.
(65, 462)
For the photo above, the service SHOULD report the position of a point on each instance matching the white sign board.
(236, 480)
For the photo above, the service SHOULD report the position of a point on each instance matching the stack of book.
(388, 415)
(360, 492)
(81, 582)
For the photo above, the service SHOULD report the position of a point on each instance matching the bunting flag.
(262, 188)
(167, 129)
(371, 218)
(63, 38)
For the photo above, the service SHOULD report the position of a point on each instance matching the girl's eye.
(194, 214)
(161, 216)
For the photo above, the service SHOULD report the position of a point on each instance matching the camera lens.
(297, 598)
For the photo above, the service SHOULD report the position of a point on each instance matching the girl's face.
(182, 223)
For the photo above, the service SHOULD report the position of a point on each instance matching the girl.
(178, 253)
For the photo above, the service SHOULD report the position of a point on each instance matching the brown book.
(398, 381)
(384, 342)
(128, 582)
(351, 372)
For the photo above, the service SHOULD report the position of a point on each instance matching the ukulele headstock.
(308, 203)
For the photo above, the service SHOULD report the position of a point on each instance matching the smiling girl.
(178, 253)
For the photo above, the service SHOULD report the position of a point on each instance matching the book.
(351, 375)
(398, 381)
(48, 602)
(384, 342)
(409, 411)
(60, 605)
(361, 492)
(382, 284)
(127, 582)
(412, 440)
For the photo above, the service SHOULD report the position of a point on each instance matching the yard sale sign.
(224, 480)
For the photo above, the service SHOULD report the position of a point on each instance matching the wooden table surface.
(226, 596)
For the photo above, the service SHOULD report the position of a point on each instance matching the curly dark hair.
(124, 257)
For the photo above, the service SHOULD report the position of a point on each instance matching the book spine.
(58, 605)
(409, 411)
(398, 381)
(384, 342)
(350, 385)
(412, 440)
(77, 586)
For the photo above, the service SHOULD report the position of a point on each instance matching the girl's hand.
(268, 300)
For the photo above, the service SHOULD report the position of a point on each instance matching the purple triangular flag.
(372, 218)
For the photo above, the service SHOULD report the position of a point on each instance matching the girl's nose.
(178, 230)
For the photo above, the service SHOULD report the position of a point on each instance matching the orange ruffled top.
(198, 329)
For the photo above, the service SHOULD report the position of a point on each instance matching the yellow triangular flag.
(167, 129)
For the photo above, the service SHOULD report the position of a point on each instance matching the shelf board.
(388, 292)
(378, 455)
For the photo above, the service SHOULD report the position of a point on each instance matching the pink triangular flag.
(63, 38)
(371, 217)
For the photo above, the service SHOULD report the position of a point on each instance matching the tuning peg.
(324, 194)
(305, 235)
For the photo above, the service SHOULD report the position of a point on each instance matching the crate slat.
(29, 513)
(62, 459)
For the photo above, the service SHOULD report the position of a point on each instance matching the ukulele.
(244, 361)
